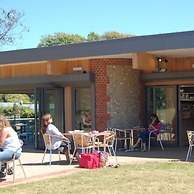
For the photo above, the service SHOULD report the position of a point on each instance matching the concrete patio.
(32, 158)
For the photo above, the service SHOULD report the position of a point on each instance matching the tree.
(16, 98)
(60, 38)
(11, 26)
(93, 37)
(115, 35)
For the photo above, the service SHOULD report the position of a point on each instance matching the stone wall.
(124, 91)
(117, 93)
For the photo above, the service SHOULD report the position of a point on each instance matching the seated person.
(59, 141)
(87, 120)
(144, 135)
(9, 143)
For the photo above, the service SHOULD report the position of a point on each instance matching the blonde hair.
(45, 119)
(4, 122)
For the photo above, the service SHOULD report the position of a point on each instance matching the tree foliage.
(11, 26)
(61, 38)
(16, 98)
(114, 35)
(92, 36)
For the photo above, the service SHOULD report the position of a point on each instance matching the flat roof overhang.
(180, 44)
(84, 79)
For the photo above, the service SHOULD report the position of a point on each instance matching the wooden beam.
(144, 61)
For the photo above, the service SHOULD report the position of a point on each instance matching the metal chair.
(13, 160)
(121, 135)
(190, 135)
(48, 146)
(157, 137)
(83, 142)
(27, 135)
(106, 140)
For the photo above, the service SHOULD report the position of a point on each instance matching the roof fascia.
(167, 76)
(84, 79)
(179, 40)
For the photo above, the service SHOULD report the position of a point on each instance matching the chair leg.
(191, 151)
(149, 144)
(22, 167)
(115, 144)
(44, 155)
(188, 153)
(71, 159)
(50, 157)
(161, 145)
(114, 155)
(108, 151)
(13, 170)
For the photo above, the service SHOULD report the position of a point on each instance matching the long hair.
(157, 119)
(45, 120)
(4, 122)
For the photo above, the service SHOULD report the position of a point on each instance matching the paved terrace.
(32, 158)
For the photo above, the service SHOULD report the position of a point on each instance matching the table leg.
(131, 143)
(125, 135)
(132, 138)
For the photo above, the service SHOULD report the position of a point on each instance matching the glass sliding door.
(48, 100)
(82, 106)
(162, 100)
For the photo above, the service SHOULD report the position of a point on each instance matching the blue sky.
(138, 17)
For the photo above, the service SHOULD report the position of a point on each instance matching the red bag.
(89, 161)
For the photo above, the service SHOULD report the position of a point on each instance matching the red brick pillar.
(99, 68)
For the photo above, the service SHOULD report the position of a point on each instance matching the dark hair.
(157, 119)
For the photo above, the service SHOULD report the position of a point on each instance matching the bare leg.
(77, 156)
(137, 143)
(67, 155)
(144, 147)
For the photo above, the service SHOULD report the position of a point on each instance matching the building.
(120, 82)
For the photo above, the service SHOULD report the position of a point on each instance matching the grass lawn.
(167, 178)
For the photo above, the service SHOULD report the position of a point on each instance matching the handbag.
(89, 161)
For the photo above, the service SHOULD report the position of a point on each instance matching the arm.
(155, 128)
(56, 133)
(86, 121)
(3, 135)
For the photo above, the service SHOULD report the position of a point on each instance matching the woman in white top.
(58, 140)
(9, 142)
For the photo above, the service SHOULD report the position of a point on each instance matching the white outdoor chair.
(48, 146)
(13, 160)
(157, 137)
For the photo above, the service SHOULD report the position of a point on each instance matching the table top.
(20, 124)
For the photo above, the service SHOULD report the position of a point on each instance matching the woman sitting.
(58, 140)
(87, 120)
(9, 143)
(144, 135)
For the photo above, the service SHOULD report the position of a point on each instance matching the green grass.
(167, 178)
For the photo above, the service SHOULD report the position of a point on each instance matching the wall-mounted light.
(77, 68)
(161, 59)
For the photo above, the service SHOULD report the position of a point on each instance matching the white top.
(55, 141)
(12, 142)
